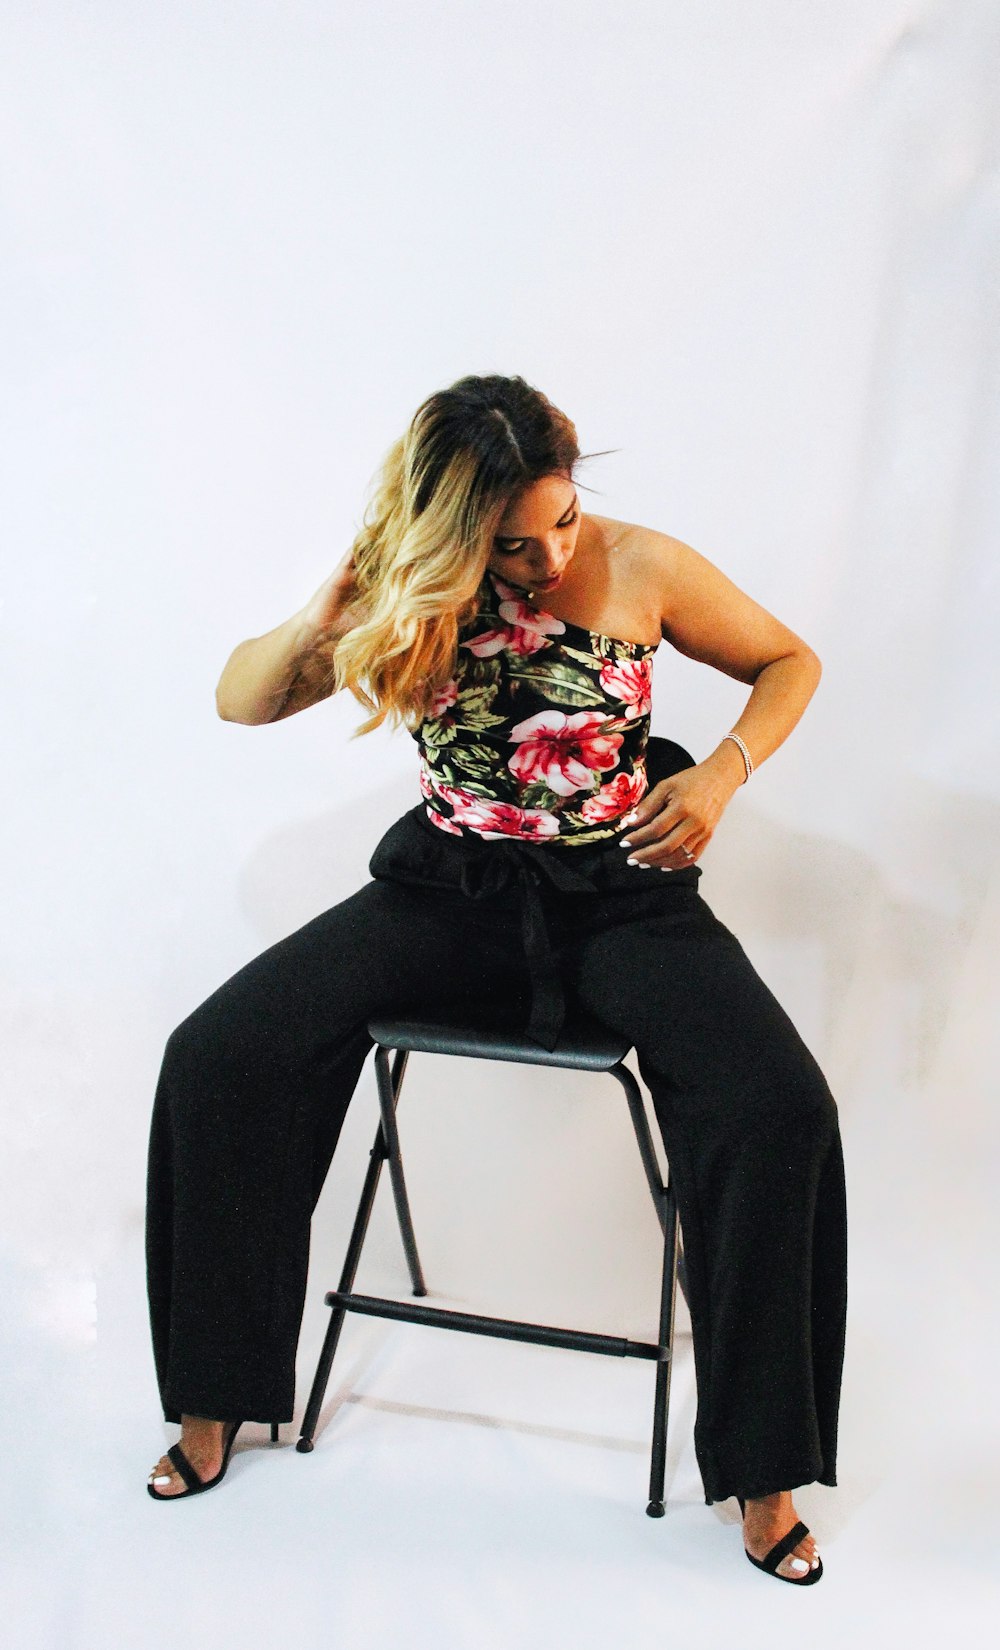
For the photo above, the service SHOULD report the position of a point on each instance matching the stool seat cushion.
(584, 1044)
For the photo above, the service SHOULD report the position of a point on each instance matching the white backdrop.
(751, 246)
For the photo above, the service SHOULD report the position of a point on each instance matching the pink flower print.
(506, 592)
(613, 800)
(489, 642)
(524, 630)
(445, 824)
(535, 624)
(424, 780)
(443, 697)
(496, 819)
(630, 680)
(561, 751)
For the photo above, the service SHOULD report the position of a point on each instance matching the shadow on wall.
(311, 865)
(900, 930)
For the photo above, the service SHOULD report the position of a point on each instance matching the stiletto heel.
(195, 1485)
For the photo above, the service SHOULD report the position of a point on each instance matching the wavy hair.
(420, 557)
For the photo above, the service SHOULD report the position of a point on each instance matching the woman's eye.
(512, 549)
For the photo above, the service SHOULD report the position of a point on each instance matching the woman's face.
(537, 535)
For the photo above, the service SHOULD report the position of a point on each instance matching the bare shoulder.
(656, 548)
(699, 609)
(644, 548)
(646, 562)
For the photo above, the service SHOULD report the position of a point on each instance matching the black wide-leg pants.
(255, 1084)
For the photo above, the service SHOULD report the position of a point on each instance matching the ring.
(687, 853)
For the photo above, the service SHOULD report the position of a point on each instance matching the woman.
(513, 635)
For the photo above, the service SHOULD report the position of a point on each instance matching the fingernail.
(631, 861)
(625, 843)
(630, 819)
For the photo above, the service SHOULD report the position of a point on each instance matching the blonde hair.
(421, 555)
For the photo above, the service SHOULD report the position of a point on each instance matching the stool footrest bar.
(507, 1329)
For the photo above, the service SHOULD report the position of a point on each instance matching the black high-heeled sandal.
(769, 1563)
(195, 1485)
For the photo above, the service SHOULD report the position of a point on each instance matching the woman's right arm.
(270, 677)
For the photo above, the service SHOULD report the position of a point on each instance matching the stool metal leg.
(343, 1300)
(386, 1143)
(661, 1400)
(665, 1204)
(388, 1094)
(637, 1111)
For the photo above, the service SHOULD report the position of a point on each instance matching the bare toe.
(764, 1526)
(793, 1566)
(165, 1478)
(800, 1560)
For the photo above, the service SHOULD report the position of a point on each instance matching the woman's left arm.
(708, 618)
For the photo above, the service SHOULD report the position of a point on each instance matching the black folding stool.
(583, 1046)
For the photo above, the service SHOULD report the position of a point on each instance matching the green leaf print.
(473, 786)
(483, 753)
(608, 648)
(560, 684)
(475, 764)
(438, 732)
(585, 832)
(538, 796)
(472, 709)
(587, 656)
(472, 700)
(478, 673)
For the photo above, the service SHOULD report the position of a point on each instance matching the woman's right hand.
(333, 609)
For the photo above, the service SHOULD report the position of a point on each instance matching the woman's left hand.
(675, 821)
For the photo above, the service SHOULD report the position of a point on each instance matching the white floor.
(475, 1493)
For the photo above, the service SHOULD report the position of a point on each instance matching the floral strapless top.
(541, 732)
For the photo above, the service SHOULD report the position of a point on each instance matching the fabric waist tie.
(496, 868)
(416, 852)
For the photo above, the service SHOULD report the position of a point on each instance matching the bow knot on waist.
(414, 852)
(502, 863)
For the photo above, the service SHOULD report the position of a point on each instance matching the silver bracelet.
(745, 753)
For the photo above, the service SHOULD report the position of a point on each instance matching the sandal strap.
(782, 1548)
(184, 1467)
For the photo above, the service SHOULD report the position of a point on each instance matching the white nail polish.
(800, 1564)
(162, 1480)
